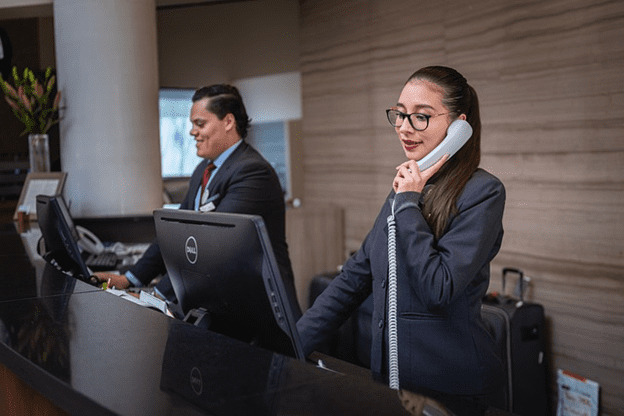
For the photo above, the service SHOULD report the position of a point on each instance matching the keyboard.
(103, 261)
(127, 249)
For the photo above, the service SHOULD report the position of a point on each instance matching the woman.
(448, 222)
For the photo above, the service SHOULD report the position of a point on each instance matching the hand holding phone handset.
(457, 135)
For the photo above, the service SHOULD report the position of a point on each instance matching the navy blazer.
(247, 184)
(443, 344)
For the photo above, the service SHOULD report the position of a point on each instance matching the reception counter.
(86, 351)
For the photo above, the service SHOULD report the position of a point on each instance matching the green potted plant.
(36, 106)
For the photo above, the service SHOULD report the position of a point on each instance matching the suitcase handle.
(520, 273)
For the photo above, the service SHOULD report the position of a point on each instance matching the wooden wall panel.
(550, 80)
(315, 244)
(18, 398)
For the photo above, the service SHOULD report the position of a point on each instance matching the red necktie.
(211, 166)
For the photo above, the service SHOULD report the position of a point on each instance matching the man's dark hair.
(225, 99)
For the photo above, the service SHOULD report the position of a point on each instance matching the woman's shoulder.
(483, 184)
(482, 177)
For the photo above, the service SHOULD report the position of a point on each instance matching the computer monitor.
(223, 264)
(60, 237)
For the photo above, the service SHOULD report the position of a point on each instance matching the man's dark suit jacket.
(247, 184)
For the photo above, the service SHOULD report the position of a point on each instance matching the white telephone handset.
(88, 241)
(457, 135)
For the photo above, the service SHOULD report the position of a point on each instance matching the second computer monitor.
(61, 237)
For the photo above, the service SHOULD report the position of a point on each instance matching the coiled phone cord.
(393, 353)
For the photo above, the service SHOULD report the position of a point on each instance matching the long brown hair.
(439, 202)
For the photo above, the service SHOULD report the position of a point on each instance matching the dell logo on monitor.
(190, 247)
(196, 381)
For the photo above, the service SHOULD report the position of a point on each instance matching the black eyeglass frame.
(409, 117)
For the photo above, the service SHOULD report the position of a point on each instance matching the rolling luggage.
(519, 330)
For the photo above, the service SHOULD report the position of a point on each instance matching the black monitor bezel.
(276, 300)
(60, 237)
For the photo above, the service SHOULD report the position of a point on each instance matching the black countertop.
(91, 352)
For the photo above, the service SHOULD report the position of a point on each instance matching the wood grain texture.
(550, 79)
(18, 398)
(315, 244)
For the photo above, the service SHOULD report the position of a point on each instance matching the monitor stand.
(199, 317)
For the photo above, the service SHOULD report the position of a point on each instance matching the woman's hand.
(410, 179)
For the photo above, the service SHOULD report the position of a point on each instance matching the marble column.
(107, 69)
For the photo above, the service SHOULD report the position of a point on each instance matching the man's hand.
(118, 281)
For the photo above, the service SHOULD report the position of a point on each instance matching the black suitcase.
(518, 328)
(520, 332)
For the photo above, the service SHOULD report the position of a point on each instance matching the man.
(239, 180)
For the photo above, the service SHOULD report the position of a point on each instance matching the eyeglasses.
(418, 121)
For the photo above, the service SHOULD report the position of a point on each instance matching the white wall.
(272, 97)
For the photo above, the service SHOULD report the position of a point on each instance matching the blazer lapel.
(216, 184)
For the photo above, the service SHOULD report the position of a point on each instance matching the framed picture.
(38, 183)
